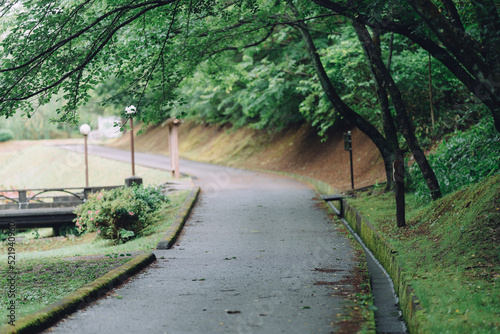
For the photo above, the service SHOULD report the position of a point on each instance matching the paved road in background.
(258, 255)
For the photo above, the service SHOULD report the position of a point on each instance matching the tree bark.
(453, 15)
(399, 179)
(404, 123)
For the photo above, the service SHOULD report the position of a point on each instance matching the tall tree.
(342, 108)
(404, 123)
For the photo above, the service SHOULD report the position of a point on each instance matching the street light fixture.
(85, 130)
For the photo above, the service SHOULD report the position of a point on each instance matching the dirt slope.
(295, 150)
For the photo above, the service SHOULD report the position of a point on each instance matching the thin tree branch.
(160, 54)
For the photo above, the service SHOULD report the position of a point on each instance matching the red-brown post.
(173, 145)
(86, 163)
(132, 144)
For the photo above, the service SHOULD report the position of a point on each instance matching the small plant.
(36, 234)
(120, 214)
(6, 135)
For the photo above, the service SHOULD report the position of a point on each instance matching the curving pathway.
(258, 255)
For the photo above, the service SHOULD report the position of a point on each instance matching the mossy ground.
(450, 249)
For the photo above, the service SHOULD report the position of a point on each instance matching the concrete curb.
(49, 315)
(409, 303)
(182, 215)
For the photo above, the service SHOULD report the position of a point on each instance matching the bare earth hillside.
(295, 150)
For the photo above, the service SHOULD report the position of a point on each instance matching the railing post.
(86, 192)
(23, 199)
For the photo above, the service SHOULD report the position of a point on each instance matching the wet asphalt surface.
(253, 257)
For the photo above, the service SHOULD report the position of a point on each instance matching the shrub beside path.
(259, 254)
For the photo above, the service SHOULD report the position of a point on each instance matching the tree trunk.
(399, 178)
(453, 15)
(387, 120)
(339, 105)
(404, 123)
(431, 105)
(390, 131)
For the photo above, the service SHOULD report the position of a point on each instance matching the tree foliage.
(149, 46)
(248, 62)
(465, 158)
(466, 44)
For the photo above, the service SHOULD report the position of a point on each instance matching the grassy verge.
(450, 250)
(50, 268)
(39, 283)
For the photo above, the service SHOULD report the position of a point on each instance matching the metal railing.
(46, 197)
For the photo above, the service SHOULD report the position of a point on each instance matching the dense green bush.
(6, 135)
(464, 158)
(119, 214)
(151, 196)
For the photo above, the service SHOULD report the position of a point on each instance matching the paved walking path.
(258, 255)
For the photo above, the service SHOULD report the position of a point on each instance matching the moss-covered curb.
(49, 315)
(413, 313)
(182, 215)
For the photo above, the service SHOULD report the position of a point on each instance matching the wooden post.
(169, 136)
(399, 178)
(352, 171)
(175, 150)
(173, 145)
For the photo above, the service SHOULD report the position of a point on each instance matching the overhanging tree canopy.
(149, 47)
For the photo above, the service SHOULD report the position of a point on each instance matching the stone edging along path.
(410, 306)
(182, 215)
(78, 299)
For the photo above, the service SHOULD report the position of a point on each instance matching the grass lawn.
(40, 166)
(451, 249)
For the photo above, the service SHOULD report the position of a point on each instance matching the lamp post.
(85, 130)
(131, 111)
